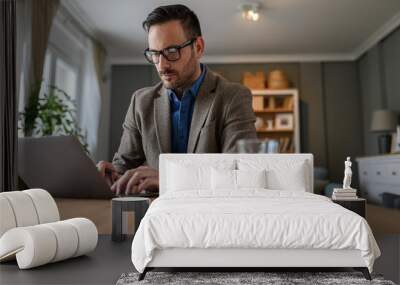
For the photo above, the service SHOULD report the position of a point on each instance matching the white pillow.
(223, 179)
(183, 177)
(282, 174)
(293, 178)
(251, 178)
(186, 174)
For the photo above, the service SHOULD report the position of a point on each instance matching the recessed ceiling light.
(250, 10)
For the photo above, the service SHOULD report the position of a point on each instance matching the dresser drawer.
(373, 172)
(392, 173)
(379, 174)
(373, 191)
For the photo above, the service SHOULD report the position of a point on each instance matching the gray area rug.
(229, 278)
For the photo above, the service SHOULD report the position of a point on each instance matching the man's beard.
(182, 81)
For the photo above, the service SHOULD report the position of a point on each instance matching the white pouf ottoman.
(31, 233)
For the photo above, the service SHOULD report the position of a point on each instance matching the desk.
(102, 266)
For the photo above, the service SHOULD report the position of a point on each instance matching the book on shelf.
(344, 194)
(334, 197)
(285, 144)
(341, 190)
(271, 103)
(288, 103)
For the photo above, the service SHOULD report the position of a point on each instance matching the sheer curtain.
(94, 101)
(100, 57)
(90, 101)
(34, 22)
(43, 12)
(24, 47)
(8, 97)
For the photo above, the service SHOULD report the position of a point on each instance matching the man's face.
(181, 73)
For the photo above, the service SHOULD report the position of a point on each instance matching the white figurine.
(347, 174)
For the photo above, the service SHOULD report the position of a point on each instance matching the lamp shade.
(383, 121)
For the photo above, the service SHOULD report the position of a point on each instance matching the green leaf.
(52, 113)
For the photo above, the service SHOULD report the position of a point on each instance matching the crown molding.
(377, 36)
(76, 13)
(245, 58)
(267, 58)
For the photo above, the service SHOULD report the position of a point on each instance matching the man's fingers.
(144, 185)
(143, 173)
(107, 169)
(114, 187)
(143, 167)
(148, 184)
(121, 182)
(131, 187)
(115, 176)
(130, 181)
(101, 168)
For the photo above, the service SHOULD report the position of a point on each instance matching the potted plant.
(51, 112)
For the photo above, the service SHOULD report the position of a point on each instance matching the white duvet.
(250, 219)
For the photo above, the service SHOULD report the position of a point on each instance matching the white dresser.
(379, 174)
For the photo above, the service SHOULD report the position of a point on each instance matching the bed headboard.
(307, 158)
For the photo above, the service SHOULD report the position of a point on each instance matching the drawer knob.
(365, 173)
(378, 173)
(394, 173)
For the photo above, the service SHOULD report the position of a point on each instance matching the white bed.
(198, 223)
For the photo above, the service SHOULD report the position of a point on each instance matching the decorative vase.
(259, 124)
(277, 79)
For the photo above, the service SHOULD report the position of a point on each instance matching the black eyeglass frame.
(164, 51)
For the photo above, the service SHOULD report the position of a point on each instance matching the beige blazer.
(222, 115)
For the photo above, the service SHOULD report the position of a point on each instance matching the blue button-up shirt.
(181, 114)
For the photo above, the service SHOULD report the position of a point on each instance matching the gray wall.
(331, 125)
(379, 76)
(125, 79)
(343, 124)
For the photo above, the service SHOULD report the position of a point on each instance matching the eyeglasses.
(172, 53)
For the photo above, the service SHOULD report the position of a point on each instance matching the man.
(191, 110)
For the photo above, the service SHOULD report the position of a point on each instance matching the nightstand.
(356, 205)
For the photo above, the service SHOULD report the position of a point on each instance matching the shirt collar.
(194, 89)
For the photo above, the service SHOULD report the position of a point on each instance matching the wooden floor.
(383, 221)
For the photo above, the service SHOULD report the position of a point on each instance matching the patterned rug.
(243, 278)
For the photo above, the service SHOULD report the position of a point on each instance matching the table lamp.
(384, 122)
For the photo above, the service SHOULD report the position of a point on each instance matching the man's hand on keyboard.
(136, 180)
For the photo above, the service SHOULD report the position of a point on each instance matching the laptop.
(60, 165)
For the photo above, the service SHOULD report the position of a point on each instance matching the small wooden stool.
(138, 205)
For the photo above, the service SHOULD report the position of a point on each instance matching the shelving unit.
(279, 106)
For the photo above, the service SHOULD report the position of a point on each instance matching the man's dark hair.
(163, 14)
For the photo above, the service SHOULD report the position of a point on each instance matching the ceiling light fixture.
(250, 11)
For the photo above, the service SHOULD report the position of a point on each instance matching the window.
(63, 62)
(66, 78)
(63, 75)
